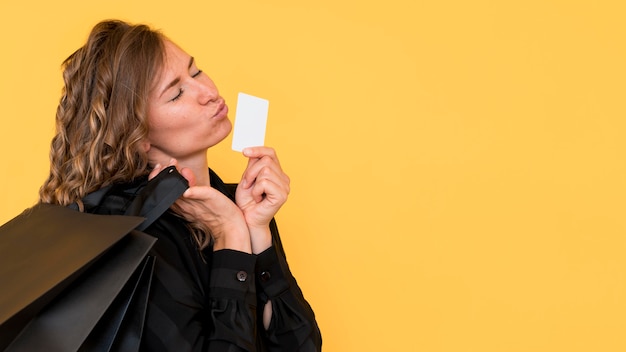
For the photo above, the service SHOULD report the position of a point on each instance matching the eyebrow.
(177, 79)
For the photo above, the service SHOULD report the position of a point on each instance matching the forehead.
(174, 55)
(175, 63)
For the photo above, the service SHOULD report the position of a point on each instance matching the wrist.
(260, 238)
(236, 238)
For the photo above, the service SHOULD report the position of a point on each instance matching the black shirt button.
(265, 276)
(242, 276)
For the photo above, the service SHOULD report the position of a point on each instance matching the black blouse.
(213, 301)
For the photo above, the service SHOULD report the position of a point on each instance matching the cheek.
(158, 126)
(165, 119)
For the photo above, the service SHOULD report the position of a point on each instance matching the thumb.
(189, 176)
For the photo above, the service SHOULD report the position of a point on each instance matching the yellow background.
(458, 167)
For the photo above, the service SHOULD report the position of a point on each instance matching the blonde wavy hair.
(101, 117)
(101, 121)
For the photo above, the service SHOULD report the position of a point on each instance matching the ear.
(145, 145)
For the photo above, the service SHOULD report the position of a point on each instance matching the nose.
(207, 92)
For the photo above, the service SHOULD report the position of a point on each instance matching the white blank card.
(250, 122)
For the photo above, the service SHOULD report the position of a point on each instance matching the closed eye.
(180, 94)
(181, 91)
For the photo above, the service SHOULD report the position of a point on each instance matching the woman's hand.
(218, 213)
(263, 189)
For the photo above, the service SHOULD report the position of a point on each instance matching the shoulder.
(114, 199)
(140, 197)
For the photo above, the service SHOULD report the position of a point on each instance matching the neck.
(199, 169)
(197, 164)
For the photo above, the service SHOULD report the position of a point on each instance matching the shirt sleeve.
(232, 302)
(293, 326)
(216, 304)
(196, 304)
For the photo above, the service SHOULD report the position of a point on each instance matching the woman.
(135, 104)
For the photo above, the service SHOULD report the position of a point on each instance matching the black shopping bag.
(70, 281)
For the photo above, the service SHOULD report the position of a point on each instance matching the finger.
(256, 167)
(188, 175)
(268, 175)
(273, 174)
(195, 193)
(155, 171)
(259, 152)
(267, 190)
(260, 190)
(200, 193)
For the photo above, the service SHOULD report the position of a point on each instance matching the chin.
(223, 133)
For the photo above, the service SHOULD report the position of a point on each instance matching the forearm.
(288, 319)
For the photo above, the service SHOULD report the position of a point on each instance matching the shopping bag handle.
(157, 196)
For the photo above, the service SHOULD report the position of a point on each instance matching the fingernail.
(157, 166)
(246, 151)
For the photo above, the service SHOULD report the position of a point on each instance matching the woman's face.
(186, 114)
